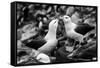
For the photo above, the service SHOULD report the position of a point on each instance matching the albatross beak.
(56, 22)
(61, 17)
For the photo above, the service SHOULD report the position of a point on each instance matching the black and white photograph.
(48, 33)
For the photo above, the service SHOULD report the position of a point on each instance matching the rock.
(76, 17)
(70, 11)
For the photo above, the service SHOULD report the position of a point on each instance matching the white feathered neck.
(51, 35)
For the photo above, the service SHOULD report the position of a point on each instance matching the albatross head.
(53, 24)
(52, 30)
(66, 19)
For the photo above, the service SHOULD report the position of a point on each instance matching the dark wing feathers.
(83, 28)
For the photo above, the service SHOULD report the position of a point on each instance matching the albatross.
(49, 42)
(44, 47)
(75, 31)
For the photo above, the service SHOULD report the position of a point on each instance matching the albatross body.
(49, 42)
(75, 31)
(50, 38)
(46, 45)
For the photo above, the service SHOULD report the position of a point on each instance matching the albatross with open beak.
(50, 44)
(46, 45)
(51, 40)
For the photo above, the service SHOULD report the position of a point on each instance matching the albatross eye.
(66, 17)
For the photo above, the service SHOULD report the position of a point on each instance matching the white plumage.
(50, 38)
(70, 29)
(74, 30)
(43, 58)
(50, 44)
